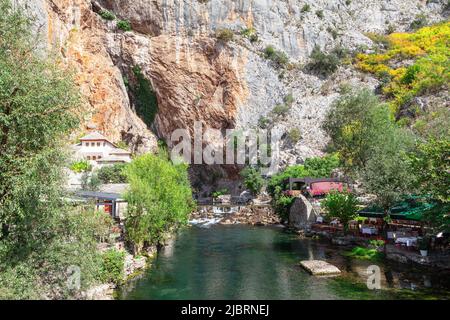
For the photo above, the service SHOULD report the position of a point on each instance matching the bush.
(289, 99)
(124, 25)
(252, 179)
(281, 110)
(279, 57)
(306, 8)
(219, 193)
(107, 15)
(319, 13)
(80, 166)
(250, 33)
(322, 63)
(341, 205)
(113, 266)
(224, 34)
(282, 204)
(263, 122)
(365, 254)
(420, 21)
(90, 182)
(113, 174)
(294, 135)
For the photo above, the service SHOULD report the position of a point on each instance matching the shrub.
(252, 179)
(294, 135)
(263, 122)
(124, 25)
(420, 21)
(348, 2)
(90, 182)
(80, 166)
(250, 33)
(224, 34)
(279, 57)
(322, 63)
(113, 266)
(365, 253)
(113, 174)
(219, 193)
(341, 205)
(306, 8)
(107, 15)
(281, 110)
(319, 13)
(289, 99)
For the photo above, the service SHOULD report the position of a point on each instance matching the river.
(246, 262)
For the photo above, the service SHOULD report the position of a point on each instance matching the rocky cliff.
(204, 60)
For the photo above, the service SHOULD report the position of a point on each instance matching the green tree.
(355, 123)
(40, 235)
(431, 164)
(159, 199)
(341, 205)
(113, 174)
(252, 179)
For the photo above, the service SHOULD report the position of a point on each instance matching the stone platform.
(320, 268)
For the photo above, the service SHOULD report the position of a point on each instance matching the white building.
(99, 151)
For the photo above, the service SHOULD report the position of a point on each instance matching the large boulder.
(301, 213)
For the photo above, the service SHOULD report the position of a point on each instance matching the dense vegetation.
(252, 179)
(159, 199)
(389, 160)
(341, 205)
(113, 174)
(113, 266)
(146, 99)
(44, 242)
(427, 47)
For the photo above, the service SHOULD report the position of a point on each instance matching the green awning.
(409, 209)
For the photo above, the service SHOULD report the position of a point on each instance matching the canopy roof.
(412, 208)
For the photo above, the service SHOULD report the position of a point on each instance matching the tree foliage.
(431, 162)
(371, 146)
(341, 205)
(41, 236)
(252, 179)
(113, 174)
(159, 199)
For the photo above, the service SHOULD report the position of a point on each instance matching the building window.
(92, 144)
(104, 144)
(88, 157)
(98, 144)
(94, 158)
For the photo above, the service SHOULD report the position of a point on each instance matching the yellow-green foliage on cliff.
(427, 49)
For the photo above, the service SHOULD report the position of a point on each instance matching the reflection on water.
(244, 262)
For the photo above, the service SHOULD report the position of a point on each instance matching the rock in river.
(319, 267)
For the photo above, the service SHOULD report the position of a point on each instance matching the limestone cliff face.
(72, 29)
(197, 77)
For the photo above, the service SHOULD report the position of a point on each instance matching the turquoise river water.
(245, 262)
